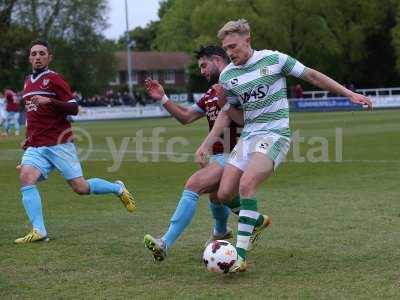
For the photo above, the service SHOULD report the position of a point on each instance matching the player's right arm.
(184, 115)
(234, 113)
(64, 102)
(222, 123)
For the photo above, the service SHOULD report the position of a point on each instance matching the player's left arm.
(221, 124)
(326, 83)
(234, 112)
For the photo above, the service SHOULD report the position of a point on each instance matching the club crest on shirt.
(45, 83)
(265, 71)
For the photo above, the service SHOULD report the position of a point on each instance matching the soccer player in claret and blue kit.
(49, 142)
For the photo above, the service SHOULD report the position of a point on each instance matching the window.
(115, 81)
(134, 77)
(124, 77)
(169, 76)
(153, 75)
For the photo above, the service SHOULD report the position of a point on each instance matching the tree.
(13, 39)
(341, 38)
(142, 37)
(74, 29)
(396, 33)
(175, 31)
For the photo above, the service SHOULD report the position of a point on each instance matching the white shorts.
(274, 146)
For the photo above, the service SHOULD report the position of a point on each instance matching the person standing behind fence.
(2, 110)
(12, 112)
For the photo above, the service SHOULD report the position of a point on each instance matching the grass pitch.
(335, 233)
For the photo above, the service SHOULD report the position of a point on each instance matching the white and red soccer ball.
(219, 256)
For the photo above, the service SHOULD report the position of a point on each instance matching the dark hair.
(211, 50)
(40, 42)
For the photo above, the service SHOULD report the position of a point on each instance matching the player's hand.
(219, 90)
(202, 154)
(154, 89)
(361, 99)
(38, 100)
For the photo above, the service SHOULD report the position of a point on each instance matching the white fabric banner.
(385, 101)
(120, 112)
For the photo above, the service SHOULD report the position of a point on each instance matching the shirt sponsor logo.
(256, 93)
(29, 106)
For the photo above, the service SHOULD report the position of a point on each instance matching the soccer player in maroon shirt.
(49, 142)
(211, 60)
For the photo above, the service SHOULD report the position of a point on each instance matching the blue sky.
(141, 12)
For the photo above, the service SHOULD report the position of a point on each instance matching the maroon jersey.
(12, 103)
(46, 126)
(208, 105)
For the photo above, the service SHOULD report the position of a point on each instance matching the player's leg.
(11, 122)
(33, 168)
(65, 158)
(260, 167)
(219, 210)
(16, 124)
(1, 118)
(7, 122)
(203, 181)
(264, 154)
(220, 213)
(229, 184)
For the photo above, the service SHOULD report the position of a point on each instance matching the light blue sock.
(33, 207)
(220, 213)
(182, 217)
(101, 186)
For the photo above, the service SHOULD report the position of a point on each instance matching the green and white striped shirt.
(259, 86)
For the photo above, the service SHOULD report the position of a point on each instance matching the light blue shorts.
(219, 159)
(62, 157)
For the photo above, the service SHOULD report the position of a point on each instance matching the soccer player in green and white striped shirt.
(255, 80)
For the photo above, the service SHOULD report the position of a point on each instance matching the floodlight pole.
(128, 50)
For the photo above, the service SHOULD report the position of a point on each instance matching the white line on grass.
(192, 155)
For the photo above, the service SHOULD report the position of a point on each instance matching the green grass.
(335, 233)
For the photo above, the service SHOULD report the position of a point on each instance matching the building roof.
(153, 61)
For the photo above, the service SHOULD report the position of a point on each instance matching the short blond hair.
(240, 26)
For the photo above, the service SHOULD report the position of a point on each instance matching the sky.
(141, 12)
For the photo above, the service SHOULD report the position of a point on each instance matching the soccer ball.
(219, 256)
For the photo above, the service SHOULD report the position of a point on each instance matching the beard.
(214, 75)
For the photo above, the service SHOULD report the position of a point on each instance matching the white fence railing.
(367, 92)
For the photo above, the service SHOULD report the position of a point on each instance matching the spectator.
(298, 91)
(22, 114)
(352, 87)
(2, 110)
(12, 108)
(127, 99)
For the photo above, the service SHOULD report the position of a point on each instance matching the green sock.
(234, 205)
(247, 220)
